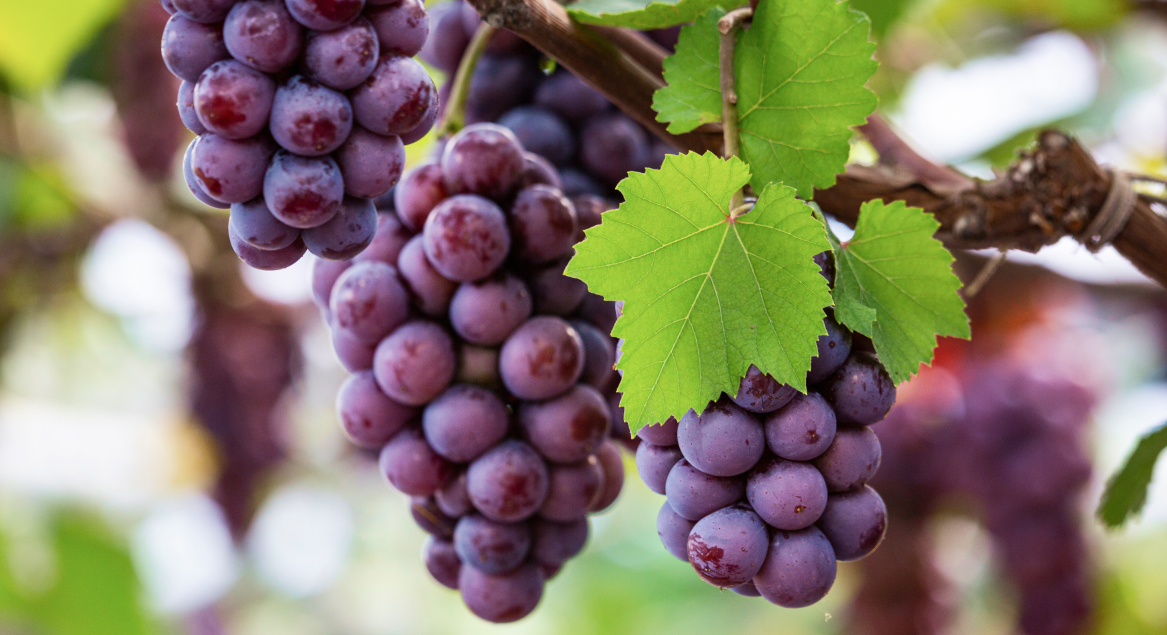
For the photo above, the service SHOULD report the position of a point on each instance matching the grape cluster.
(478, 372)
(302, 110)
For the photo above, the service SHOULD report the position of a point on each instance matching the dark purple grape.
(343, 58)
(308, 118)
(411, 466)
(353, 354)
(453, 499)
(826, 263)
(303, 191)
(430, 518)
(324, 275)
(555, 293)
(233, 100)
(487, 311)
(371, 164)
(205, 11)
(501, 598)
(851, 460)
(788, 495)
(543, 224)
(748, 590)
(854, 522)
(802, 430)
(447, 39)
(570, 427)
(466, 238)
(599, 312)
(490, 546)
(723, 441)
(388, 241)
(540, 131)
(541, 359)
(465, 421)
(369, 302)
(415, 363)
(653, 463)
(442, 561)
(265, 260)
(402, 27)
(657, 153)
(799, 569)
(396, 98)
(430, 291)
(499, 83)
(325, 15)
(483, 159)
(347, 234)
(230, 171)
(674, 532)
(263, 35)
(599, 355)
(572, 489)
(538, 171)
(589, 210)
(860, 391)
(423, 128)
(667, 37)
(660, 433)
(368, 417)
(693, 494)
(509, 483)
(186, 109)
(570, 97)
(613, 466)
(255, 225)
(420, 190)
(576, 183)
(833, 349)
(612, 145)
(555, 543)
(761, 393)
(727, 547)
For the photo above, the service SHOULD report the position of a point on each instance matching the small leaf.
(894, 283)
(644, 14)
(1126, 493)
(705, 295)
(693, 94)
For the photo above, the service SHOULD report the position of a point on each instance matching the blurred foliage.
(883, 13)
(39, 38)
(32, 197)
(1083, 15)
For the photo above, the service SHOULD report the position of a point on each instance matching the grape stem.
(728, 26)
(455, 117)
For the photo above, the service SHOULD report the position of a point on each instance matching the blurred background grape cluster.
(170, 460)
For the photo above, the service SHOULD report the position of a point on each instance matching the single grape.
(230, 171)
(727, 547)
(572, 489)
(411, 466)
(854, 522)
(674, 532)
(482, 159)
(761, 393)
(801, 430)
(465, 421)
(555, 543)
(186, 109)
(371, 164)
(453, 499)
(540, 131)
(426, 124)
(788, 495)
(352, 353)
(325, 15)
(576, 183)
(501, 598)
(205, 11)
(799, 569)
(612, 145)
(660, 433)
(265, 260)
(851, 460)
(487, 311)
(324, 275)
(541, 359)
(693, 494)
(653, 463)
(600, 312)
(570, 427)
(466, 238)
(543, 224)
(256, 226)
(668, 36)
(599, 355)
(491, 546)
(415, 363)
(589, 210)
(308, 118)
(723, 441)
(447, 39)
(430, 518)
(860, 391)
(430, 291)
(346, 234)
(388, 241)
(233, 100)
(369, 302)
(442, 561)
(826, 263)
(168, 6)
(192, 182)
(478, 365)
(396, 98)
(538, 171)
(343, 58)
(263, 35)
(499, 83)
(303, 191)
(555, 293)
(402, 27)
(368, 417)
(748, 590)
(570, 97)
(509, 483)
(833, 349)
(613, 466)
(420, 190)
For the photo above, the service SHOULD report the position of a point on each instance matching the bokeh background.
(170, 461)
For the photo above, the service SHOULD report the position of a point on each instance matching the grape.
(554, 292)
(308, 118)
(799, 569)
(657, 154)
(233, 100)
(723, 441)
(826, 263)
(371, 164)
(442, 561)
(801, 430)
(453, 499)
(833, 349)
(576, 183)
(543, 224)
(465, 421)
(324, 275)
(674, 532)
(555, 543)
(353, 354)
(325, 15)
(508, 483)
(482, 159)
(369, 302)
(854, 522)
(860, 391)
(498, 84)
(430, 291)
(447, 39)
(343, 58)
(851, 460)
(266, 260)
(478, 366)
(599, 312)
(369, 418)
(415, 363)
(255, 225)
(230, 171)
(693, 494)
(660, 433)
(401, 27)
(668, 36)
(789, 495)
(599, 355)
(411, 466)
(490, 546)
(388, 241)
(263, 35)
(419, 191)
(541, 359)
(347, 234)
(395, 98)
(748, 590)
(569, 428)
(430, 518)
(727, 547)
(542, 132)
(303, 191)
(205, 11)
(168, 7)
(418, 132)
(487, 311)
(186, 109)
(569, 97)
(612, 145)
(761, 393)
(572, 489)
(466, 238)
(613, 467)
(653, 463)
(538, 171)
(589, 210)
(501, 598)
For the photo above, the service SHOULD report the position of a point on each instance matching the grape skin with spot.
(727, 547)
(854, 522)
(693, 494)
(345, 235)
(411, 466)
(724, 440)
(802, 430)
(415, 363)
(189, 48)
(572, 489)
(851, 460)
(569, 428)
(369, 418)
(465, 421)
(789, 495)
(343, 58)
(490, 546)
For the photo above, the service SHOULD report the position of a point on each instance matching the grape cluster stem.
(454, 118)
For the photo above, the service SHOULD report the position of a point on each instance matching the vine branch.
(727, 26)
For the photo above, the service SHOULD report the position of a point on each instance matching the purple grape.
(453, 499)
(447, 39)
(369, 302)
(599, 312)
(192, 182)
(723, 441)
(674, 532)
(570, 97)
(599, 355)
(233, 100)
(205, 11)
(420, 190)
(799, 569)
(388, 241)
(572, 489)
(727, 547)
(576, 183)
(411, 466)
(543, 224)
(860, 391)
(788, 495)
(653, 463)
(402, 27)
(693, 494)
(540, 131)
(186, 109)
(499, 83)
(826, 263)
(660, 433)
(263, 35)
(415, 363)
(442, 561)
(487, 311)
(265, 260)
(430, 518)
(422, 128)
(501, 598)
(801, 430)
(666, 37)
(612, 465)
(851, 460)
(466, 238)
(570, 427)
(554, 543)
(748, 590)
(612, 145)
(541, 359)
(353, 354)
(833, 349)
(370, 163)
(343, 58)
(589, 210)
(509, 483)
(761, 393)
(854, 522)
(303, 191)
(255, 225)
(430, 291)
(538, 171)
(491, 546)
(308, 118)
(555, 293)
(324, 275)
(230, 171)
(368, 417)
(347, 234)
(396, 98)
(325, 15)
(465, 421)
(482, 159)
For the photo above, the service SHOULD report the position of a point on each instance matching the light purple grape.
(653, 463)
(388, 241)
(799, 569)
(265, 260)
(483, 159)
(233, 100)
(415, 363)
(309, 118)
(851, 460)
(370, 163)
(402, 27)
(255, 225)
(205, 11)
(303, 191)
(192, 182)
(599, 355)
(570, 427)
(555, 293)
(833, 349)
(576, 183)
(509, 483)
(487, 311)
(543, 224)
(761, 393)
(788, 495)
(168, 6)
(860, 391)
(572, 489)
(411, 466)
(442, 561)
(447, 39)
(369, 418)
(353, 354)
(453, 499)
(542, 132)
(325, 15)
(727, 547)
(396, 98)
(418, 193)
(346, 234)
(854, 522)
(425, 125)
(600, 313)
(674, 532)
(801, 430)
(186, 109)
(507, 597)
(369, 302)
(660, 433)
(541, 359)
(324, 275)
(555, 543)
(723, 441)
(612, 145)
(431, 292)
(466, 238)
(490, 546)
(343, 58)
(263, 35)
(748, 590)
(430, 518)
(539, 171)
(465, 421)
(230, 171)
(693, 494)
(570, 97)
(613, 466)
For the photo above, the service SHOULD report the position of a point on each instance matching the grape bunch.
(477, 372)
(302, 110)
(766, 489)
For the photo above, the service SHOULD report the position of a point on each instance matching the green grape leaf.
(894, 284)
(644, 15)
(705, 296)
(800, 71)
(37, 39)
(693, 94)
(1126, 493)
